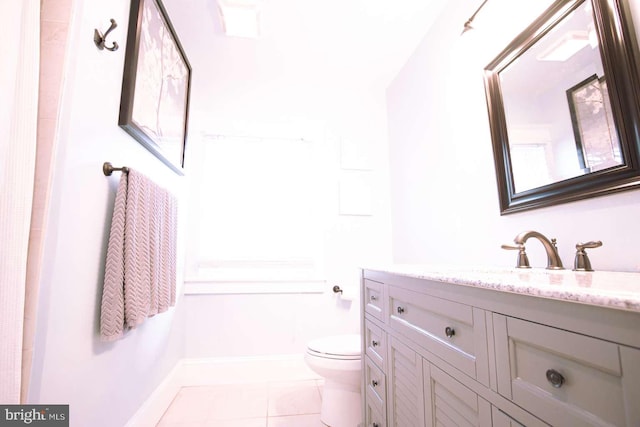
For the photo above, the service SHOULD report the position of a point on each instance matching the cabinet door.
(449, 403)
(500, 419)
(405, 398)
(567, 378)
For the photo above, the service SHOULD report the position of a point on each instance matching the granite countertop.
(618, 290)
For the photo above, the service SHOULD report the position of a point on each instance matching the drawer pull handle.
(400, 309)
(449, 331)
(375, 343)
(374, 383)
(555, 378)
(373, 298)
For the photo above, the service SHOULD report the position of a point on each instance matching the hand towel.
(137, 249)
(112, 309)
(140, 269)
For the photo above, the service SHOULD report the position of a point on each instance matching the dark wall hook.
(100, 39)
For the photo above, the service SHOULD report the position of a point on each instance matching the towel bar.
(108, 169)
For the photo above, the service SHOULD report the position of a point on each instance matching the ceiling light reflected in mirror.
(565, 47)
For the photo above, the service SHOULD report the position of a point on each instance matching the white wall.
(444, 194)
(104, 383)
(241, 86)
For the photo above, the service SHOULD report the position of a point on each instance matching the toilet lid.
(339, 345)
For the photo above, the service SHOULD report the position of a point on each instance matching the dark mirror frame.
(619, 52)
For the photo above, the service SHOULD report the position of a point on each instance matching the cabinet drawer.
(375, 343)
(373, 299)
(374, 416)
(452, 331)
(566, 378)
(375, 384)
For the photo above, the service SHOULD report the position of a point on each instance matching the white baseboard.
(217, 371)
(153, 408)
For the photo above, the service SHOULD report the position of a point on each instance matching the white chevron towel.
(140, 269)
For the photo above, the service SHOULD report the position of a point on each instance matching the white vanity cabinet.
(441, 353)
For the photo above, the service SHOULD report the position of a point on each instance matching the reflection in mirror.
(563, 107)
(594, 129)
(558, 116)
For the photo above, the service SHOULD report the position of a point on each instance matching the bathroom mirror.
(564, 106)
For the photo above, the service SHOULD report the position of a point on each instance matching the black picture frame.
(156, 84)
(594, 131)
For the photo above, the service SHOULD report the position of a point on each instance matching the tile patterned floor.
(273, 404)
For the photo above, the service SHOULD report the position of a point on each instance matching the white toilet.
(338, 360)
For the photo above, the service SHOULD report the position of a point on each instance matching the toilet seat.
(340, 347)
(338, 361)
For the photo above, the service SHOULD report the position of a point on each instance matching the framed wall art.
(154, 106)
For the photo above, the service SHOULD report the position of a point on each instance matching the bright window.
(256, 215)
(530, 162)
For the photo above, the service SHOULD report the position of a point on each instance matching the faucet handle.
(589, 245)
(523, 259)
(582, 262)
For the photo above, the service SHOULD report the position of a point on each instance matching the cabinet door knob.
(375, 425)
(374, 383)
(375, 343)
(449, 331)
(555, 378)
(373, 298)
(400, 309)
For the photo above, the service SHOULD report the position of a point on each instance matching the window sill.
(231, 287)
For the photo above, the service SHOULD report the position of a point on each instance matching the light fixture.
(240, 18)
(467, 25)
(564, 48)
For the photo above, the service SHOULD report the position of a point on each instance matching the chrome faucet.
(553, 259)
